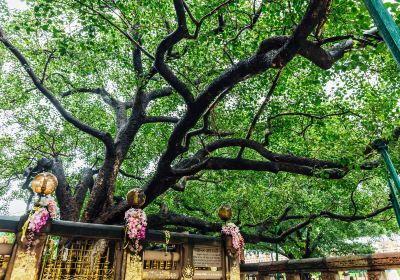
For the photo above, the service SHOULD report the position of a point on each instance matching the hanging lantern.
(225, 212)
(44, 183)
(136, 197)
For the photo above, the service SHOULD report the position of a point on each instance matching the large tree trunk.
(102, 196)
(106, 179)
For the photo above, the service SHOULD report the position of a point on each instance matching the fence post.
(376, 275)
(25, 264)
(330, 275)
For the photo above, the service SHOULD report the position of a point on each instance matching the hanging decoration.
(167, 239)
(233, 231)
(136, 224)
(135, 231)
(45, 207)
(135, 220)
(234, 239)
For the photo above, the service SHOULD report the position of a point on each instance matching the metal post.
(387, 27)
(395, 202)
(382, 147)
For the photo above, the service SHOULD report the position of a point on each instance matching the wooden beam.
(9, 223)
(98, 231)
(380, 261)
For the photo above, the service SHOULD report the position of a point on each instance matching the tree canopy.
(269, 106)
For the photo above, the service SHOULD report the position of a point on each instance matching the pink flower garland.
(47, 209)
(237, 238)
(136, 224)
(38, 220)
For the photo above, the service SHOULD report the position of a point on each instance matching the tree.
(174, 95)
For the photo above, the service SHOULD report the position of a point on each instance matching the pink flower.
(38, 220)
(136, 223)
(237, 238)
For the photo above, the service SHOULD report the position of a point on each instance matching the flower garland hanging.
(44, 209)
(237, 239)
(136, 224)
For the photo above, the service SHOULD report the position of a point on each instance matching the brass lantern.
(44, 183)
(225, 212)
(136, 197)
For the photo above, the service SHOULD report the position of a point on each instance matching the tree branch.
(260, 110)
(169, 42)
(102, 136)
(125, 34)
(160, 119)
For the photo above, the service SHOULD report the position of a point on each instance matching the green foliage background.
(90, 53)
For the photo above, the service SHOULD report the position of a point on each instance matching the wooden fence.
(374, 264)
(71, 250)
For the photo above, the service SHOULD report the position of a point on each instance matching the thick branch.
(86, 183)
(160, 119)
(163, 92)
(66, 202)
(168, 218)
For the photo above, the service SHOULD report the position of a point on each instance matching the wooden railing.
(63, 250)
(374, 264)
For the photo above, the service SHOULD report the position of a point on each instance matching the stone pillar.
(293, 276)
(330, 275)
(376, 275)
(26, 264)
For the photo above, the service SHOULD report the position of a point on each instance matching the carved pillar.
(120, 264)
(292, 276)
(134, 267)
(187, 269)
(330, 275)
(26, 264)
(376, 275)
(234, 269)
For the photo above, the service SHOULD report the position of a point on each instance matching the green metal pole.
(395, 202)
(387, 27)
(381, 146)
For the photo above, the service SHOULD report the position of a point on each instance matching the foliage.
(316, 113)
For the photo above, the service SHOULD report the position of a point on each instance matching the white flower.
(44, 201)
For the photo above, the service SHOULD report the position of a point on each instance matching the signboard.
(207, 256)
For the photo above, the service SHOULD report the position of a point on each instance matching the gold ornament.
(187, 272)
(134, 268)
(44, 183)
(235, 272)
(136, 197)
(225, 212)
(25, 266)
